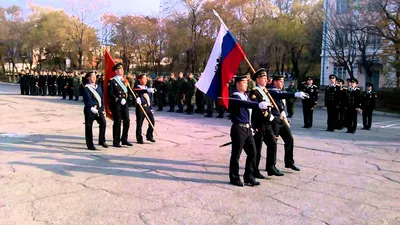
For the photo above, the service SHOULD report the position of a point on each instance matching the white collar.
(118, 77)
(142, 86)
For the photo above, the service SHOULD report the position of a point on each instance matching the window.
(340, 72)
(373, 40)
(342, 6)
(341, 37)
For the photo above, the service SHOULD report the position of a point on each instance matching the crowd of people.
(264, 94)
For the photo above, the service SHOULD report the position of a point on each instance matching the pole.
(141, 107)
(268, 94)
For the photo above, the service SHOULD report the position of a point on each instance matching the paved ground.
(48, 177)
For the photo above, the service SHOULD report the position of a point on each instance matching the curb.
(2, 82)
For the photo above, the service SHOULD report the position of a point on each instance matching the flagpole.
(252, 69)
(141, 107)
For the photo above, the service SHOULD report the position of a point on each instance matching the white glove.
(300, 94)
(264, 105)
(123, 101)
(150, 90)
(94, 110)
(271, 118)
(253, 132)
(283, 115)
(138, 101)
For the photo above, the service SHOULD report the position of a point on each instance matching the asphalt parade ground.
(47, 176)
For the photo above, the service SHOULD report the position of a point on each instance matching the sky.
(117, 7)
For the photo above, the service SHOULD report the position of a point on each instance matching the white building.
(333, 10)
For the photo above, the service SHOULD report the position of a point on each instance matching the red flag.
(108, 74)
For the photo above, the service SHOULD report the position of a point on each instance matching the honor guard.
(242, 134)
(309, 103)
(280, 123)
(353, 106)
(94, 110)
(144, 100)
(261, 120)
(118, 93)
(332, 92)
(342, 105)
(368, 106)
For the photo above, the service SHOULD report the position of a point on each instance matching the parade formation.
(259, 113)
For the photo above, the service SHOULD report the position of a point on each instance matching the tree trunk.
(397, 64)
(80, 52)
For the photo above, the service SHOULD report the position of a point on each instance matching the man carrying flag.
(118, 93)
(224, 61)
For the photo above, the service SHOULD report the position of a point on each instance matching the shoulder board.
(253, 89)
(357, 88)
(112, 78)
(314, 85)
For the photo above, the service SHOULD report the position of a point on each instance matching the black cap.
(353, 80)
(278, 77)
(368, 84)
(88, 74)
(310, 78)
(240, 77)
(140, 75)
(117, 66)
(348, 79)
(259, 73)
(340, 80)
(332, 75)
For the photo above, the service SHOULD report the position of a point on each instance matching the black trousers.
(21, 86)
(60, 90)
(242, 139)
(171, 101)
(341, 117)
(64, 93)
(71, 93)
(180, 98)
(199, 102)
(189, 103)
(264, 134)
(367, 118)
(332, 117)
(308, 115)
(101, 120)
(140, 117)
(351, 119)
(118, 115)
(26, 89)
(43, 90)
(160, 101)
(284, 131)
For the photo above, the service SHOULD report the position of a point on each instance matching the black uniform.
(70, 87)
(342, 108)
(91, 101)
(261, 120)
(119, 112)
(64, 86)
(199, 101)
(279, 126)
(145, 98)
(309, 104)
(21, 82)
(353, 102)
(368, 106)
(332, 94)
(242, 138)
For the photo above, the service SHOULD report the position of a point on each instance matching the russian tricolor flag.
(223, 63)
